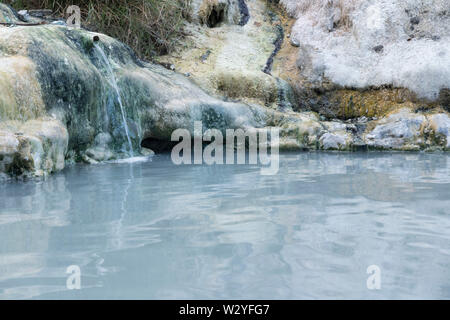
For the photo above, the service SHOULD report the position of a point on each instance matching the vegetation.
(150, 27)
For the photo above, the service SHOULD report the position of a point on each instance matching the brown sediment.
(371, 103)
(285, 62)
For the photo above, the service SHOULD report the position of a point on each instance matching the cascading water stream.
(116, 88)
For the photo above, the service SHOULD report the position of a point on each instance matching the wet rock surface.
(58, 105)
(33, 148)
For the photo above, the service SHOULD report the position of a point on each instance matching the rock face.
(32, 148)
(58, 102)
(440, 127)
(341, 36)
(400, 130)
(229, 59)
(213, 13)
(367, 49)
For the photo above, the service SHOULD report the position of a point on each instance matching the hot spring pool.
(153, 230)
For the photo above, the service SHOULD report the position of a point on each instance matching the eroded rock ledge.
(57, 103)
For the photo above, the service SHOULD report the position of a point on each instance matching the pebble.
(415, 20)
(378, 49)
(23, 15)
(295, 42)
(59, 23)
(205, 56)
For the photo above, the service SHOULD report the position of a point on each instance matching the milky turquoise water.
(153, 230)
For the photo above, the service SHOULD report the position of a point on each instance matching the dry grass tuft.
(150, 27)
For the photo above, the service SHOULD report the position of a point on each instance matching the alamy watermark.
(241, 147)
(74, 19)
(374, 280)
(73, 281)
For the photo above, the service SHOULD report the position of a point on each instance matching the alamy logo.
(374, 280)
(74, 280)
(74, 19)
(237, 143)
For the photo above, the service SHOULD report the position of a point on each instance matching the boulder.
(33, 148)
(399, 131)
(440, 124)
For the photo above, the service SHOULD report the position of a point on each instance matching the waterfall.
(116, 88)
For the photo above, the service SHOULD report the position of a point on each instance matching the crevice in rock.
(158, 145)
(216, 16)
(245, 13)
(277, 43)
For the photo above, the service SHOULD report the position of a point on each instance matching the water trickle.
(116, 88)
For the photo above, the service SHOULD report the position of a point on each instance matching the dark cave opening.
(216, 17)
(158, 145)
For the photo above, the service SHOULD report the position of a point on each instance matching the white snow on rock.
(358, 43)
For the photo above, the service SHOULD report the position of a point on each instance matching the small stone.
(59, 23)
(295, 42)
(187, 74)
(168, 66)
(88, 160)
(205, 56)
(23, 15)
(147, 152)
(415, 20)
(362, 119)
(378, 49)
